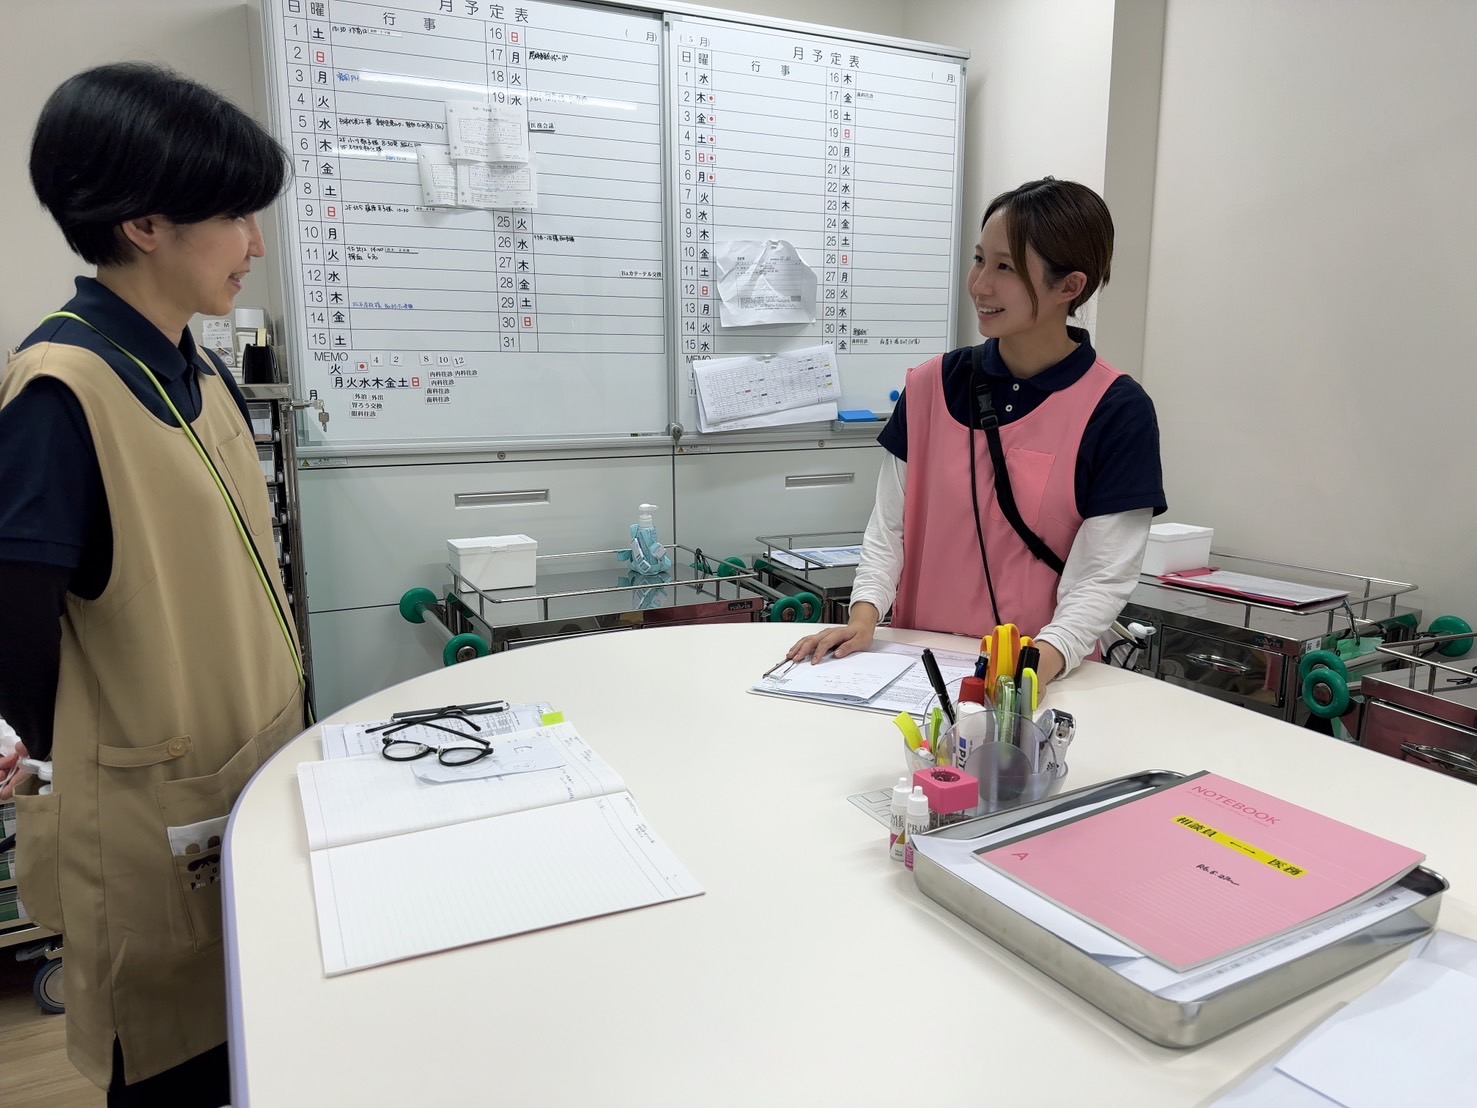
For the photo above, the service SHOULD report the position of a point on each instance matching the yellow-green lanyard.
(256, 560)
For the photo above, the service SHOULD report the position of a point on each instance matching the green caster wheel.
(1452, 625)
(1322, 659)
(414, 603)
(463, 648)
(787, 609)
(730, 566)
(810, 607)
(1326, 693)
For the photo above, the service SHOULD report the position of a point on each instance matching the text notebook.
(1202, 869)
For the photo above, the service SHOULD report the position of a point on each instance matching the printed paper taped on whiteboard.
(763, 282)
(798, 386)
(448, 184)
(480, 132)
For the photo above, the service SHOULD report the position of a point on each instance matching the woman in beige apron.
(132, 504)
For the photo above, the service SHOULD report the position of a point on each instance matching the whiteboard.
(848, 151)
(430, 329)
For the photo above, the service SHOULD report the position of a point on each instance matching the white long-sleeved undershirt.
(1101, 570)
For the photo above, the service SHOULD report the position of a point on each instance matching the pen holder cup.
(1010, 755)
(917, 759)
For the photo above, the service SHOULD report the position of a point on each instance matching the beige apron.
(175, 685)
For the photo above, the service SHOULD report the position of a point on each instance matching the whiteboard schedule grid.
(572, 314)
(845, 151)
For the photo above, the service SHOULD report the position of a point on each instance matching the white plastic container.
(1174, 547)
(495, 561)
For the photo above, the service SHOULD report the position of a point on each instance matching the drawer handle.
(500, 499)
(1221, 665)
(818, 480)
(1453, 760)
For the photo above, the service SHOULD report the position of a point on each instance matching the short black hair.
(125, 141)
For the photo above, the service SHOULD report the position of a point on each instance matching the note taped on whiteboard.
(479, 132)
(764, 282)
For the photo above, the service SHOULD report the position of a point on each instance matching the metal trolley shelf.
(794, 562)
(588, 593)
(1261, 655)
(1425, 709)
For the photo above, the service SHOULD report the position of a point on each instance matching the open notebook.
(403, 867)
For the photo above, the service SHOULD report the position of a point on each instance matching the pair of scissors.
(1005, 650)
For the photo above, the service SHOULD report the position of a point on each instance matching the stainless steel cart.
(1256, 654)
(1425, 710)
(792, 563)
(589, 593)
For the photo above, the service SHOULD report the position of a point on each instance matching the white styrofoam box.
(1177, 546)
(496, 561)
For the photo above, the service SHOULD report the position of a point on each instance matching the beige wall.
(1037, 101)
(1311, 283)
(41, 44)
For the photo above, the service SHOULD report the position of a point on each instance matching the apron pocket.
(36, 856)
(1029, 471)
(195, 810)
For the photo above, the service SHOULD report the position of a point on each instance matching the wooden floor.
(34, 1071)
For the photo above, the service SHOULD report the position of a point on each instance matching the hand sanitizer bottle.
(648, 555)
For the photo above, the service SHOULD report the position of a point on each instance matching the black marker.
(936, 679)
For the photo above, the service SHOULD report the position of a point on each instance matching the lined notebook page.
(351, 800)
(488, 879)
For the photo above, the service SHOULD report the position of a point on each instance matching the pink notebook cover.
(1202, 869)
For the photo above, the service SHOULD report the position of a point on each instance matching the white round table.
(812, 971)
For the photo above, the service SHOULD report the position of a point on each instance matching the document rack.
(1171, 1023)
(831, 583)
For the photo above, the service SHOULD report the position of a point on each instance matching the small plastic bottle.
(897, 816)
(648, 555)
(917, 821)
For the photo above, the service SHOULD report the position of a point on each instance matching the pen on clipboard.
(936, 679)
(778, 665)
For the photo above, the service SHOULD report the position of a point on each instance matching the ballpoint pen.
(936, 679)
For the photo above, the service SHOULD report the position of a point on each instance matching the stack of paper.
(811, 557)
(403, 867)
(486, 162)
(738, 394)
(888, 678)
(962, 859)
(1406, 1041)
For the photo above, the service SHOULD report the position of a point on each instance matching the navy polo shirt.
(1118, 460)
(53, 507)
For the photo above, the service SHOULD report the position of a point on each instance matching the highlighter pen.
(936, 679)
(909, 727)
(1005, 710)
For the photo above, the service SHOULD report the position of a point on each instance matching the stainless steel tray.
(1168, 1022)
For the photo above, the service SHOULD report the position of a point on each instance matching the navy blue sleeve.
(1118, 467)
(894, 435)
(51, 488)
(31, 649)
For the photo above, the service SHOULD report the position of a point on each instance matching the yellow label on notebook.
(551, 718)
(1240, 847)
